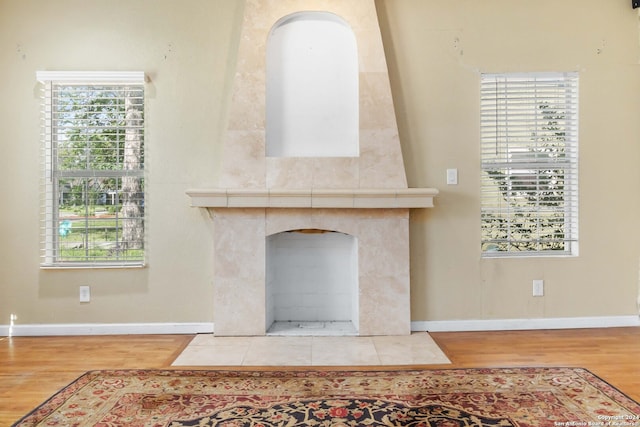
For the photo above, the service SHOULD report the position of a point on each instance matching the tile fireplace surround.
(364, 196)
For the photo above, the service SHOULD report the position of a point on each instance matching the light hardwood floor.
(34, 368)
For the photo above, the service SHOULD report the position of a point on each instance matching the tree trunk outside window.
(132, 191)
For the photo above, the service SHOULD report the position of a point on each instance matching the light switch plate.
(452, 176)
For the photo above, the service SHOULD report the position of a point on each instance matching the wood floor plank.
(34, 368)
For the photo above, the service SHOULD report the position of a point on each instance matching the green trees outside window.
(96, 173)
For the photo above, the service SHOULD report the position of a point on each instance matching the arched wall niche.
(312, 96)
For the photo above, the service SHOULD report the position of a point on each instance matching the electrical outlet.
(85, 293)
(538, 288)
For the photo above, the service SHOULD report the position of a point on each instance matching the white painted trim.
(106, 329)
(135, 77)
(416, 326)
(524, 324)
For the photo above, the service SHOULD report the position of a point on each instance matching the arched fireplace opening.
(311, 285)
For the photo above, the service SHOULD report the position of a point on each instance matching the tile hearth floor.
(209, 350)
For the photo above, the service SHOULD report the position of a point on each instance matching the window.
(93, 164)
(529, 151)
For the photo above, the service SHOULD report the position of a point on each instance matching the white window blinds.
(529, 151)
(93, 168)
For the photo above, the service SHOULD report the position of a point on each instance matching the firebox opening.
(311, 283)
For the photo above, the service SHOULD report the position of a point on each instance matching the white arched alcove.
(312, 280)
(312, 106)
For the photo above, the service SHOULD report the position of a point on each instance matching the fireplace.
(311, 214)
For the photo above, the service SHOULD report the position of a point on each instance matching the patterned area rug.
(554, 397)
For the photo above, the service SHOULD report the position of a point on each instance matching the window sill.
(91, 266)
(525, 255)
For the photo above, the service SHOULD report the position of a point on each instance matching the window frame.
(531, 121)
(103, 82)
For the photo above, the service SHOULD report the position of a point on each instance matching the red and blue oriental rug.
(541, 397)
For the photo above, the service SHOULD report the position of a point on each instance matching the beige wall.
(436, 50)
(184, 47)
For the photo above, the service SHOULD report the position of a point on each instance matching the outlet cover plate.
(538, 288)
(85, 293)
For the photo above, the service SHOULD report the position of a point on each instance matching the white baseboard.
(417, 326)
(105, 329)
(524, 324)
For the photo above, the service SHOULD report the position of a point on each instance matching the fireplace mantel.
(375, 198)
